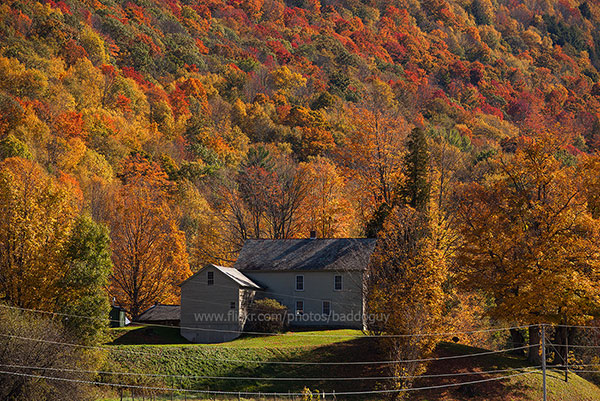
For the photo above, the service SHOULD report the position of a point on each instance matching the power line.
(496, 371)
(436, 387)
(578, 327)
(439, 334)
(278, 362)
(584, 371)
(245, 393)
(583, 365)
(575, 346)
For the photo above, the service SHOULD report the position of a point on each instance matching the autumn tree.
(51, 258)
(204, 232)
(37, 214)
(407, 275)
(410, 265)
(530, 241)
(262, 199)
(326, 208)
(149, 254)
(414, 190)
(286, 192)
(11, 146)
(372, 150)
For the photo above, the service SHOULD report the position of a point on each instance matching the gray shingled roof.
(306, 254)
(160, 312)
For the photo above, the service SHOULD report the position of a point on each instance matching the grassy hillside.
(526, 387)
(231, 359)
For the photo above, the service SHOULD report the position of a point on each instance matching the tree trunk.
(517, 340)
(534, 342)
(560, 339)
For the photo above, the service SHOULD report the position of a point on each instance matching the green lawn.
(233, 360)
(157, 335)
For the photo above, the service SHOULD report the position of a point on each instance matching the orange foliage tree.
(326, 208)
(372, 150)
(149, 254)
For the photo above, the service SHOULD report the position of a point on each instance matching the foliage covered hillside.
(188, 126)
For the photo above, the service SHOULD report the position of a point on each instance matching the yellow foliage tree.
(36, 216)
(530, 241)
(406, 294)
(372, 150)
(286, 80)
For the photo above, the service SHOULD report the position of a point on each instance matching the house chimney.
(313, 234)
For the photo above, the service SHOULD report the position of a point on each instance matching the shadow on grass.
(149, 335)
(489, 390)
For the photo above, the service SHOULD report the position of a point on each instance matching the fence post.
(544, 361)
(566, 354)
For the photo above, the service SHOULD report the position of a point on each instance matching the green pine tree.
(415, 191)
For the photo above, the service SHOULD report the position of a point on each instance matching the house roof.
(160, 312)
(238, 277)
(232, 273)
(336, 254)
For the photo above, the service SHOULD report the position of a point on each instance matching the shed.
(117, 317)
(161, 314)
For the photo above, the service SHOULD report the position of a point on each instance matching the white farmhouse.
(320, 281)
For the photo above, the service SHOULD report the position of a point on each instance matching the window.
(299, 283)
(210, 278)
(326, 308)
(232, 305)
(337, 283)
(299, 307)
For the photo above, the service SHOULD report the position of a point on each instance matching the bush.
(266, 316)
(48, 354)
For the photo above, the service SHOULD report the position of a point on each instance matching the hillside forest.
(141, 140)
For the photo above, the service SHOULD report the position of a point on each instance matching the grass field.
(155, 335)
(233, 360)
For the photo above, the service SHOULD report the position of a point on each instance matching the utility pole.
(544, 361)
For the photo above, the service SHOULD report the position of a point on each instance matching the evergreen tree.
(415, 191)
(375, 224)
